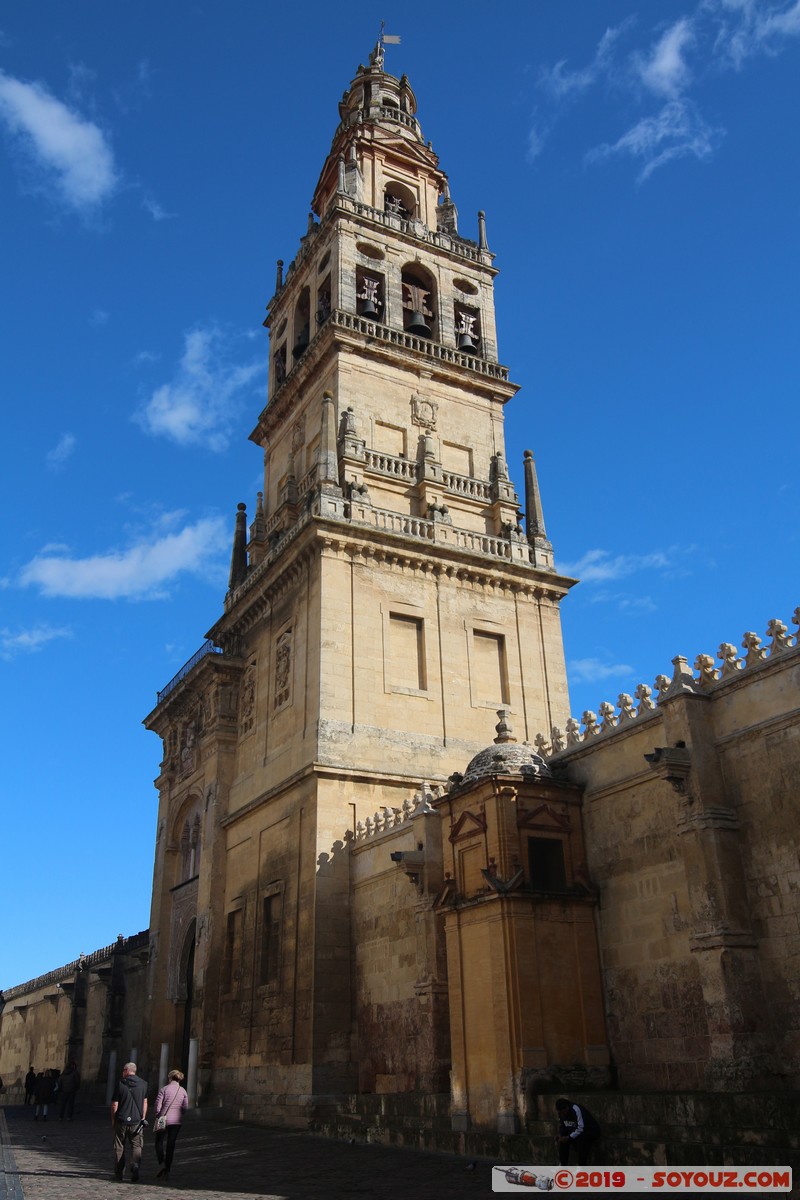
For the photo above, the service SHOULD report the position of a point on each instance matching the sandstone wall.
(690, 812)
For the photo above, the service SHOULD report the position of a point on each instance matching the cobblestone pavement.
(62, 1160)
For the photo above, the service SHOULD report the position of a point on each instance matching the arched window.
(302, 323)
(400, 201)
(190, 843)
(419, 302)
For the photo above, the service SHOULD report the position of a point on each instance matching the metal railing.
(206, 648)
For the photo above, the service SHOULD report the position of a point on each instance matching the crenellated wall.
(690, 810)
(86, 1010)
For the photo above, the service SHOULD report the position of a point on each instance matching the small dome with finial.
(506, 756)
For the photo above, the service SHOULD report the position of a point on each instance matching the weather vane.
(384, 39)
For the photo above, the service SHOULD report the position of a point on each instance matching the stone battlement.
(606, 720)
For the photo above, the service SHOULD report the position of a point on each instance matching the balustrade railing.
(207, 648)
(398, 337)
(391, 464)
(466, 485)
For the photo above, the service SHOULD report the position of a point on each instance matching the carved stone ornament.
(248, 703)
(188, 748)
(298, 434)
(423, 411)
(283, 668)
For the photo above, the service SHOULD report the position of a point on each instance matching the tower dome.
(506, 756)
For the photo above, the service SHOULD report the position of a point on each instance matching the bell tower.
(384, 446)
(384, 603)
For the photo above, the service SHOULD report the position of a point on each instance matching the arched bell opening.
(419, 302)
(323, 301)
(278, 339)
(467, 329)
(370, 292)
(302, 323)
(400, 201)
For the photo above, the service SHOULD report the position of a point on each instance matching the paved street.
(223, 1161)
(60, 1160)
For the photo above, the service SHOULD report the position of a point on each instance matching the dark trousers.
(28, 1097)
(66, 1104)
(582, 1145)
(124, 1133)
(165, 1145)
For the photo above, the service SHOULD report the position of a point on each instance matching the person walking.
(171, 1103)
(30, 1085)
(68, 1083)
(44, 1092)
(128, 1113)
(577, 1129)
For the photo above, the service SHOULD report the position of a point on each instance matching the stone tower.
(384, 603)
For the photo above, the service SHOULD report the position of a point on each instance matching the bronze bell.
(301, 345)
(368, 308)
(417, 324)
(466, 344)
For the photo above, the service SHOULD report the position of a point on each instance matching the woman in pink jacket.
(171, 1102)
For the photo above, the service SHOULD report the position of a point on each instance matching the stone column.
(111, 1080)
(163, 1064)
(191, 1073)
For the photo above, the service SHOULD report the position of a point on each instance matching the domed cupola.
(379, 136)
(380, 98)
(506, 757)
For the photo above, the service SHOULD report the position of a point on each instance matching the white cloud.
(718, 36)
(562, 83)
(27, 641)
(563, 87)
(665, 71)
(70, 151)
(61, 451)
(196, 406)
(745, 28)
(677, 131)
(154, 208)
(537, 136)
(600, 566)
(99, 317)
(592, 670)
(142, 571)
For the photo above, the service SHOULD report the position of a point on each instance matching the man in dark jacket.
(576, 1128)
(30, 1084)
(68, 1083)
(128, 1112)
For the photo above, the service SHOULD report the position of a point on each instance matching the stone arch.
(420, 301)
(400, 200)
(187, 836)
(302, 324)
(181, 949)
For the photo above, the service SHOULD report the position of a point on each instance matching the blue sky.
(638, 166)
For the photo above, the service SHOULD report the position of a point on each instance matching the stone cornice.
(349, 331)
(313, 535)
(189, 691)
